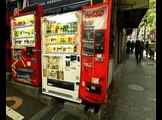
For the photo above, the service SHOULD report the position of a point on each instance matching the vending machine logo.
(94, 14)
(96, 17)
(16, 11)
(86, 64)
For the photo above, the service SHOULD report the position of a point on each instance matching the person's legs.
(140, 57)
(146, 53)
(137, 58)
(152, 55)
(131, 50)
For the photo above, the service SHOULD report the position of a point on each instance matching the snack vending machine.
(95, 53)
(26, 45)
(61, 45)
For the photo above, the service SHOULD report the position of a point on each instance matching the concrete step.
(78, 111)
(26, 89)
(8, 76)
(34, 92)
(48, 100)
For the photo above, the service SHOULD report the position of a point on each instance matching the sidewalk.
(21, 103)
(31, 108)
(133, 94)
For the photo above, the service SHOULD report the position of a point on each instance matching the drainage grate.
(135, 87)
(56, 108)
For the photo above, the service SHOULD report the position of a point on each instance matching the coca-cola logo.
(94, 14)
(16, 11)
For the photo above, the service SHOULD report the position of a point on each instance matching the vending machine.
(95, 53)
(26, 45)
(61, 48)
(8, 43)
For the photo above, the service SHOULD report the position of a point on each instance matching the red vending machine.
(26, 45)
(8, 44)
(95, 53)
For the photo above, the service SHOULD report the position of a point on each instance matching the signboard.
(56, 3)
(66, 8)
(96, 17)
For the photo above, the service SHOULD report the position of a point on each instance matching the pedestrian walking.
(152, 49)
(132, 46)
(142, 48)
(138, 51)
(128, 45)
(147, 49)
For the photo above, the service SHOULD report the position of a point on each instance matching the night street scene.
(81, 60)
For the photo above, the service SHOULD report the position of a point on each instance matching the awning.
(133, 12)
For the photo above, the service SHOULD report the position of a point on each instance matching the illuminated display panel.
(23, 31)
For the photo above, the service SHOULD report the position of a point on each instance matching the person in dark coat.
(128, 47)
(132, 46)
(152, 49)
(142, 48)
(147, 48)
(138, 51)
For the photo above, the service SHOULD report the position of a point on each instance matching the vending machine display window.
(88, 41)
(99, 41)
(23, 30)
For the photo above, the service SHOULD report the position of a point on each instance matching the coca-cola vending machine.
(26, 45)
(95, 53)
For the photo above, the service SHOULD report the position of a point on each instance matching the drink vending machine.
(75, 54)
(61, 45)
(26, 45)
(8, 43)
(95, 53)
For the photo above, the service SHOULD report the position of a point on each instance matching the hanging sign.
(96, 17)
(66, 8)
(55, 3)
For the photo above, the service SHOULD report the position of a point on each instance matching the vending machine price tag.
(95, 80)
(99, 55)
(28, 63)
